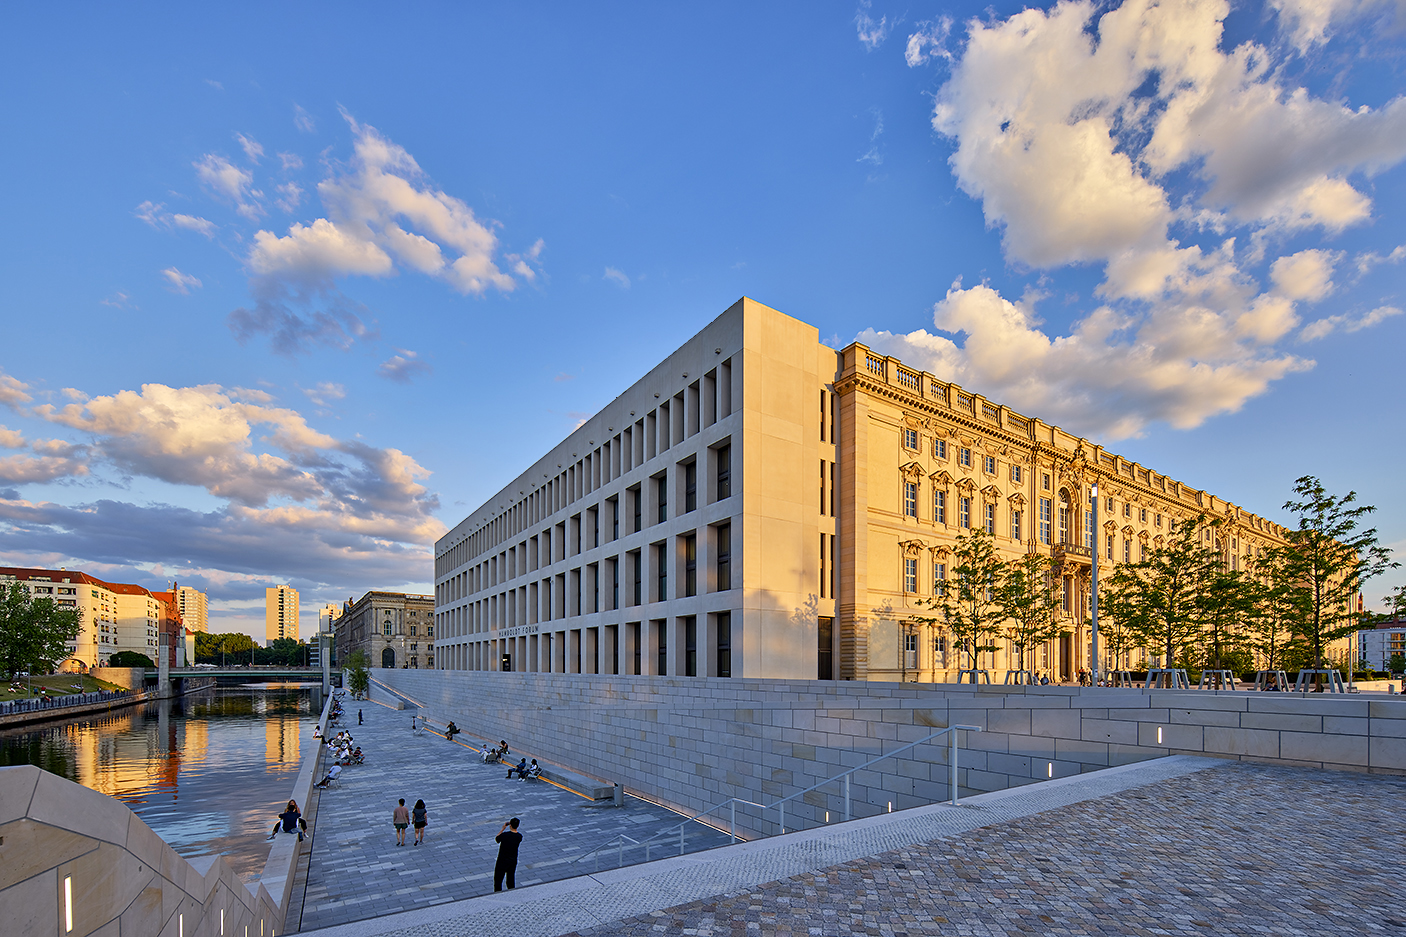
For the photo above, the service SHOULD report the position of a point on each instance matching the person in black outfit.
(358, 717)
(508, 841)
(451, 730)
(290, 821)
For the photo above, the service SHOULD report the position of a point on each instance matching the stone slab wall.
(693, 743)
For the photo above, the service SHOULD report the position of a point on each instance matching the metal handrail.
(780, 805)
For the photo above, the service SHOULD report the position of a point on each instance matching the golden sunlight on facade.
(762, 505)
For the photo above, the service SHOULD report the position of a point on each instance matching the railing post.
(782, 807)
(847, 777)
(620, 860)
(952, 762)
(681, 826)
(732, 826)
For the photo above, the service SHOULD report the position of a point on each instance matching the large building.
(194, 608)
(115, 616)
(762, 505)
(1376, 647)
(395, 630)
(280, 613)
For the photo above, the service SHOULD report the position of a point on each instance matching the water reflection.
(208, 772)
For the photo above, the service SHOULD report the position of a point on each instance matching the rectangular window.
(1142, 515)
(615, 584)
(1142, 552)
(991, 519)
(822, 566)
(824, 649)
(637, 566)
(724, 644)
(724, 557)
(661, 582)
(939, 579)
(910, 651)
(690, 487)
(662, 490)
(1127, 509)
(1045, 478)
(1159, 520)
(1016, 474)
(910, 439)
(939, 448)
(634, 632)
(637, 498)
(1110, 507)
(822, 416)
(910, 574)
(832, 489)
(690, 646)
(1127, 550)
(1044, 521)
(594, 514)
(690, 565)
(988, 464)
(614, 505)
(1110, 546)
(822, 487)
(1015, 525)
(1089, 530)
(939, 506)
(661, 630)
(964, 457)
(724, 481)
(910, 499)
(964, 508)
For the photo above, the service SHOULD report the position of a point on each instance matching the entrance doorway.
(388, 658)
(1066, 657)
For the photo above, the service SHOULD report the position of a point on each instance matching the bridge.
(245, 672)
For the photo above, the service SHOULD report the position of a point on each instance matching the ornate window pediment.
(912, 547)
(941, 551)
(1127, 530)
(940, 479)
(1111, 526)
(966, 485)
(992, 492)
(913, 471)
(1017, 499)
(1143, 536)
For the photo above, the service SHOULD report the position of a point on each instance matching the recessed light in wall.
(632, 413)
(717, 351)
(656, 396)
(685, 374)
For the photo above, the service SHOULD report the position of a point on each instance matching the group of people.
(344, 749)
(524, 771)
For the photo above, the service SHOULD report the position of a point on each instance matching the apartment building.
(194, 607)
(280, 613)
(114, 616)
(393, 629)
(762, 505)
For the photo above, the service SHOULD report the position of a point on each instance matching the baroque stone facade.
(394, 629)
(762, 505)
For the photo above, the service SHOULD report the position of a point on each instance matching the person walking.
(401, 818)
(358, 717)
(508, 841)
(420, 817)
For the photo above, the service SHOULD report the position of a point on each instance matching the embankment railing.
(622, 842)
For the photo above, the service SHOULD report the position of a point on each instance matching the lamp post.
(1093, 595)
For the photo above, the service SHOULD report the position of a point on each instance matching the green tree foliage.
(1274, 607)
(1396, 663)
(1160, 600)
(223, 648)
(34, 632)
(1029, 603)
(1327, 560)
(970, 608)
(360, 678)
(1226, 602)
(1395, 605)
(130, 659)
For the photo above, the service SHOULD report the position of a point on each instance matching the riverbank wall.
(76, 862)
(694, 743)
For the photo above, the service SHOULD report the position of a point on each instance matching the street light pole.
(1093, 595)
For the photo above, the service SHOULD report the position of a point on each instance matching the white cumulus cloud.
(178, 282)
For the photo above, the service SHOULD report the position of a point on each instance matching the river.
(208, 772)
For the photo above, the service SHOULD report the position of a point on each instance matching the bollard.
(619, 795)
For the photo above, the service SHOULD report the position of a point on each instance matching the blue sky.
(288, 290)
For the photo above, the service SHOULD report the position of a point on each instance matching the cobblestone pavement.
(356, 871)
(1245, 849)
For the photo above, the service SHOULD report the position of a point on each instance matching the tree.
(223, 648)
(130, 659)
(969, 607)
(1395, 605)
(1273, 609)
(1327, 560)
(1029, 603)
(1226, 601)
(34, 633)
(360, 679)
(1160, 599)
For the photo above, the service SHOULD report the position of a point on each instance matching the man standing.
(508, 841)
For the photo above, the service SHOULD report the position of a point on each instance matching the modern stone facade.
(194, 607)
(762, 505)
(394, 629)
(1376, 647)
